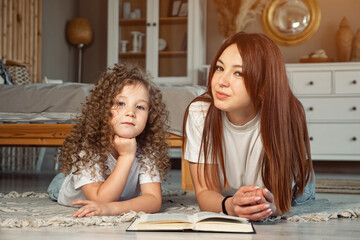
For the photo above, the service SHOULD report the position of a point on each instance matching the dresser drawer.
(316, 82)
(331, 108)
(347, 82)
(334, 138)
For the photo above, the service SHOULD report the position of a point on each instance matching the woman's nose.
(223, 80)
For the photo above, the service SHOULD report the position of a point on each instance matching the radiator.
(14, 159)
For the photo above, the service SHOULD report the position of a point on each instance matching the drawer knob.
(353, 82)
(353, 108)
(311, 109)
(311, 83)
(353, 139)
(311, 138)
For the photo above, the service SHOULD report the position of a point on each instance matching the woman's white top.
(242, 147)
(71, 187)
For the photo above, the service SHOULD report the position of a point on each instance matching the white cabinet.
(330, 94)
(183, 34)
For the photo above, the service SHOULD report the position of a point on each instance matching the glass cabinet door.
(165, 37)
(172, 54)
(132, 32)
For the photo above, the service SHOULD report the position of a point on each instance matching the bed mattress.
(60, 103)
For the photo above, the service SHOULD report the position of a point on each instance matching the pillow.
(19, 74)
(5, 77)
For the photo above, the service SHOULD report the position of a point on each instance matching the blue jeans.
(55, 186)
(307, 195)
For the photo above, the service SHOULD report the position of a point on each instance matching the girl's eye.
(121, 103)
(219, 68)
(140, 107)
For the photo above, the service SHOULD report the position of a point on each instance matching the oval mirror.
(290, 22)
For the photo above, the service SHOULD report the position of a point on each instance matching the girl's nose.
(130, 113)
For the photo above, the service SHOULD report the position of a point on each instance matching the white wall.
(332, 13)
(58, 56)
(94, 55)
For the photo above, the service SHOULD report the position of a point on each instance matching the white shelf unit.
(155, 61)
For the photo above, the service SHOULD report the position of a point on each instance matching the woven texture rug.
(33, 210)
(338, 186)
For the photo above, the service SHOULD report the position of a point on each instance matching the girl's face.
(130, 111)
(228, 87)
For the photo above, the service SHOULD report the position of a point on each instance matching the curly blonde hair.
(92, 133)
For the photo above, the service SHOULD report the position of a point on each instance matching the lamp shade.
(78, 31)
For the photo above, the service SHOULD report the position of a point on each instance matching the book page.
(220, 226)
(161, 222)
(211, 216)
(157, 218)
(207, 221)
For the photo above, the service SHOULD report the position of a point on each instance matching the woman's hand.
(265, 197)
(91, 208)
(269, 198)
(251, 202)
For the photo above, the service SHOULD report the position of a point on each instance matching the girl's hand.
(124, 146)
(250, 202)
(91, 208)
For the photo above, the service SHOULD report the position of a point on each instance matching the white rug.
(34, 210)
(31, 209)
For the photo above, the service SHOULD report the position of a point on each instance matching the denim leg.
(55, 186)
(307, 195)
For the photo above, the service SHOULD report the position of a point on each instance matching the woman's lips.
(221, 95)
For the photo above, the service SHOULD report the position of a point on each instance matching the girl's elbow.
(154, 205)
(157, 205)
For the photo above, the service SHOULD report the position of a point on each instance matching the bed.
(43, 114)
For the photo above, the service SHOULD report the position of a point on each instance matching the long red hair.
(286, 147)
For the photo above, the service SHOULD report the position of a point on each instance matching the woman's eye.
(219, 68)
(238, 74)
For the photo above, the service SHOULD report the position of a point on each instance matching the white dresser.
(330, 94)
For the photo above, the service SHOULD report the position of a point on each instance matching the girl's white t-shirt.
(71, 187)
(242, 147)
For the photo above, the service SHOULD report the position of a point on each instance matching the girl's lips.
(128, 123)
(221, 95)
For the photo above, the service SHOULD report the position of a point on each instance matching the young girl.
(117, 149)
(246, 138)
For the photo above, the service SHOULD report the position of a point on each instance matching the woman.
(246, 137)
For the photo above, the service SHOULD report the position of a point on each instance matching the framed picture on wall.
(183, 9)
(174, 8)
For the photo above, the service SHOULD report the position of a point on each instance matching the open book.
(198, 222)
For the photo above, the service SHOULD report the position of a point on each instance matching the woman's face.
(130, 111)
(228, 87)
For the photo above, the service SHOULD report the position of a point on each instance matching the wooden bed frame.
(33, 134)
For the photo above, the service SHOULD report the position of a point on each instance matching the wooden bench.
(34, 134)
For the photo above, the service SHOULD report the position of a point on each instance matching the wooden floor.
(333, 229)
